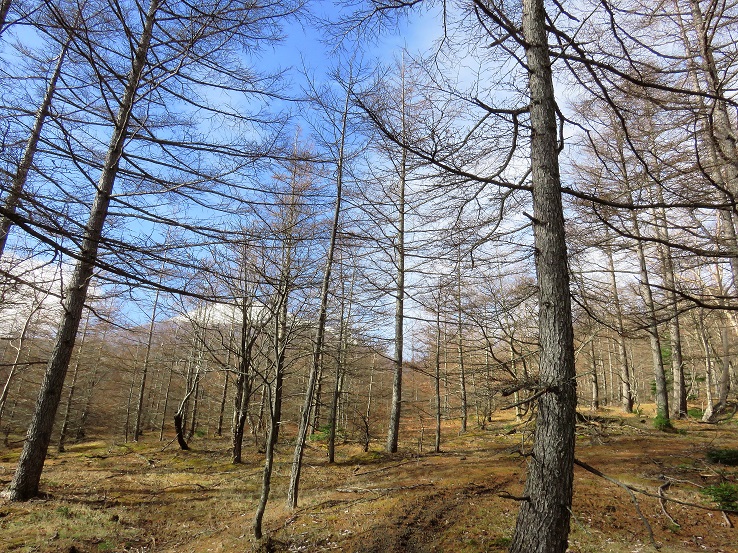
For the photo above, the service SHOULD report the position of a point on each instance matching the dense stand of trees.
(431, 239)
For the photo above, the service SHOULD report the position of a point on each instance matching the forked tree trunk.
(543, 521)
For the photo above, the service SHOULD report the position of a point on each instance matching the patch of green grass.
(723, 456)
(64, 511)
(725, 495)
(662, 423)
(695, 412)
(105, 546)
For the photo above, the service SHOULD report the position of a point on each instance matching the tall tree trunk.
(275, 410)
(30, 465)
(393, 432)
(223, 399)
(315, 369)
(460, 351)
(13, 199)
(437, 378)
(543, 521)
(626, 393)
(705, 342)
(145, 369)
(659, 374)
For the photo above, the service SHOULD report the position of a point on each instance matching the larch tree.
(155, 52)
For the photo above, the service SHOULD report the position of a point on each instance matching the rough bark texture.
(30, 465)
(543, 520)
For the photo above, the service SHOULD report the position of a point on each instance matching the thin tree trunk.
(223, 400)
(368, 412)
(145, 369)
(543, 521)
(705, 342)
(595, 384)
(437, 378)
(396, 405)
(460, 351)
(13, 199)
(626, 393)
(659, 374)
(315, 369)
(271, 442)
(18, 351)
(166, 403)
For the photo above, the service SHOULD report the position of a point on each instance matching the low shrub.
(725, 495)
(723, 456)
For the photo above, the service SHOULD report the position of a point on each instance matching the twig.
(508, 495)
(728, 522)
(662, 501)
(531, 399)
(375, 490)
(628, 489)
(384, 468)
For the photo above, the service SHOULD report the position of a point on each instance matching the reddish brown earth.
(150, 497)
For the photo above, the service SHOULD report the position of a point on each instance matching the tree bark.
(13, 199)
(393, 432)
(315, 369)
(145, 369)
(543, 521)
(72, 388)
(27, 476)
(626, 393)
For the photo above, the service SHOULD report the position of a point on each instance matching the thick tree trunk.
(72, 389)
(543, 521)
(179, 431)
(30, 465)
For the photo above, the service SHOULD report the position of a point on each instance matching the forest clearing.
(464, 273)
(151, 497)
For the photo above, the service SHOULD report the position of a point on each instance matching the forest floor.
(151, 497)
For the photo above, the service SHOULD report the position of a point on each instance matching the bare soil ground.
(150, 497)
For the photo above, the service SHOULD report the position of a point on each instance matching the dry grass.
(149, 498)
